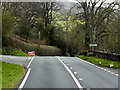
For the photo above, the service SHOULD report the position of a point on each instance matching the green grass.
(11, 74)
(104, 62)
(14, 52)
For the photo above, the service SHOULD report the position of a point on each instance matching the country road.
(64, 72)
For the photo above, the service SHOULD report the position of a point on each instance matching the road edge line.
(27, 74)
(102, 68)
(29, 57)
(30, 62)
(70, 72)
(25, 78)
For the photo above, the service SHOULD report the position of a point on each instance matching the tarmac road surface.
(53, 72)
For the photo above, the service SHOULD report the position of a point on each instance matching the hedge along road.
(50, 72)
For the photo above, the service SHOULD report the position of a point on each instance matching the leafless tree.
(95, 13)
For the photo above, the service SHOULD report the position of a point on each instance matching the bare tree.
(95, 12)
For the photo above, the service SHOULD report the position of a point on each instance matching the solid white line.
(74, 78)
(100, 67)
(29, 58)
(30, 62)
(25, 79)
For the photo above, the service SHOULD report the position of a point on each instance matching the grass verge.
(104, 62)
(11, 74)
(14, 52)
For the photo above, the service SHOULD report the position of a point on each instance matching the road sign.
(31, 53)
(92, 44)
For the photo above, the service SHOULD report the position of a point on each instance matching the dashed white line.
(108, 71)
(30, 62)
(99, 67)
(70, 67)
(116, 74)
(25, 79)
(80, 79)
(111, 72)
(70, 72)
(75, 72)
(96, 66)
(105, 70)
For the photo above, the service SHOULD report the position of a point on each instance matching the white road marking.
(29, 58)
(80, 79)
(108, 71)
(30, 62)
(75, 72)
(116, 74)
(99, 67)
(111, 72)
(70, 67)
(68, 64)
(74, 78)
(96, 66)
(105, 70)
(25, 79)
(27, 74)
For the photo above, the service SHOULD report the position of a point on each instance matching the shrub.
(67, 54)
(42, 50)
(14, 52)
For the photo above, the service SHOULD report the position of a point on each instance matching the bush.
(13, 52)
(67, 54)
(43, 50)
(104, 62)
(90, 54)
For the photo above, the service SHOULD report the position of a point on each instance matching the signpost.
(31, 53)
(92, 45)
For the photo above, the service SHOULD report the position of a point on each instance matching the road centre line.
(70, 72)
(25, 79)
(30, 62)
